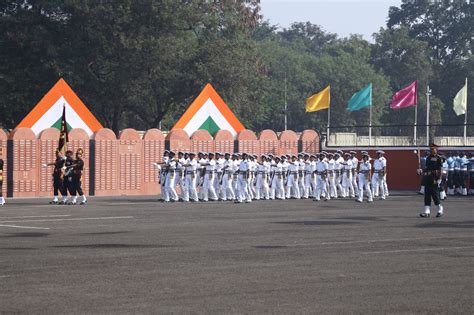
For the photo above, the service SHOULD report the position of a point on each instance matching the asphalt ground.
(135, 255)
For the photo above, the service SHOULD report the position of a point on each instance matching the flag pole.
(370, 126)
(465, 119)
(428, 93)
(414, 127)
(286, 107)
(329, 121)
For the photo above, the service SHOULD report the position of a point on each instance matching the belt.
(320, 173)
(228, 172)
(210, 172)
(277, 173)
(293, 173)
(451, 169)
(308, 172)
(190, 172)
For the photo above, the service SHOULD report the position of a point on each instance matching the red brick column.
(269, 142)
(153, 146)
(106, 164)
(47, 145)
(130, 152)
(247, 142)
(25, 163)
(78, 138)
(224, 142)
(288, 142)
(309, 141)
(178, 140)
(4, 157)
(201, 141)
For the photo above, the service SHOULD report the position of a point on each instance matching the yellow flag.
(319, 101)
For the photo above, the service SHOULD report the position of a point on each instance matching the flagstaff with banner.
(460, 107)
(320, 101)
(362, 99)
(407, 97)
(63, 134)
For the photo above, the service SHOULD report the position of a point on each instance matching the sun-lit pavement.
(135, 255)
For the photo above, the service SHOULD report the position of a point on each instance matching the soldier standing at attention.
(431, 180)
(58, 177)
(2, 200)
(77, 169)
(67, 179)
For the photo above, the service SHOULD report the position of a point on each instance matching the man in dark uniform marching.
(431, 181)
(67, 180)
(77, 168)
(58, 177)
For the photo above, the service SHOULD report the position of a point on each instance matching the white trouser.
(354, 183)
(251, 182)
(189, 189)
(244, 188)
(2, 201)
(217, 184)
(170, 190)
(292, 185)
(364, 183)
(179, 182)
(338, 181)
(262, 190)
(384, 182)
(321, 187)
(347, 187)
(378, 186)
(235, 183)
(208, 187)
(308, 184)
(332, 185)
(302, 183)
(277, 190)
(227, 190)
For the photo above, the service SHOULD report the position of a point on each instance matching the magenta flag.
(406, 97)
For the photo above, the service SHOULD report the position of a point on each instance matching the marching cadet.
(347, 183)
(190, 167)
(355, 165)
(364, 178)
(170, 190)
(201, 171)
(58, 177)
(77, 169)
(471, 173)
(380, 165)
(338, 169)
(457, 173)
(244, 180)
(229, 168)
(292, 189)
(450, 162)
(463, 174)
(235, 176)
(209, 176)
(2, 200)
(252, 172)
(219, 172)
(67, 179)
(308, 176)
(302, 158)
(431, 180)
(262, 189)
(321, 178)
(332, 189)
(277, 189)
(444, 177)
(422, 165)
(179, 178)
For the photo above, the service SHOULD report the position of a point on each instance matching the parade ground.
(137, 255)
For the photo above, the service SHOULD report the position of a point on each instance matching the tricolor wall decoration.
(47, 113)
(209, 112)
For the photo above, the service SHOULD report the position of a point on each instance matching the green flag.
(361, 99)
(460, 101)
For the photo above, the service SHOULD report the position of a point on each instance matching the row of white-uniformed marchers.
(245, 177)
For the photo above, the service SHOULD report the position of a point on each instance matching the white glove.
(44, 165)
(419, 171)
(156, 164)
(438, 181)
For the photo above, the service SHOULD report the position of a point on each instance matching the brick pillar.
(309, 141)
(25, 163)
(4, 157)
(201, 141)
(47, 145)
(288, 142)
(268, 141)
(247, 142)
(224, 142)
(130, 152)
(153, 147)
(178, 140)
(106, 164)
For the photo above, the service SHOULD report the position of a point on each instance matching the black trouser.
(1, 184)
(77, 185)
(431, 191)
(462, 179)
(457, 178)
(450, 179)
(58, 185)
(67, 186)
(444, 178)
(471, 180)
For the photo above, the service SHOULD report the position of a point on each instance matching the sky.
(343, 17)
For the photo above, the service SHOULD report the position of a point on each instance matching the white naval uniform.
(262, 190)
(227, 190)
(309, 180)
(292, 188)
(355, 165)
(301, 176)
(277, 189)
(379, 177)
(347, 187)
(244, 181)
(252, 171)
(208, 183)
(170, 190)
(364, 180)
(235, 179)
(179, 178)
(200, 178)
(321, 179)
(339, 168)
(190, 178)
(332, 178)
(218, 177)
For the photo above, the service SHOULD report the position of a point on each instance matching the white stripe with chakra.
(206, 110)
(55, 112)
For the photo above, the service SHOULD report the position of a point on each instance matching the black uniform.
(1, 177)
(67, 180)
(431, 175)
(77, 177)
(58, 176)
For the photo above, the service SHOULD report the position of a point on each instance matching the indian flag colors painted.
(48, 112)
(209, 112)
